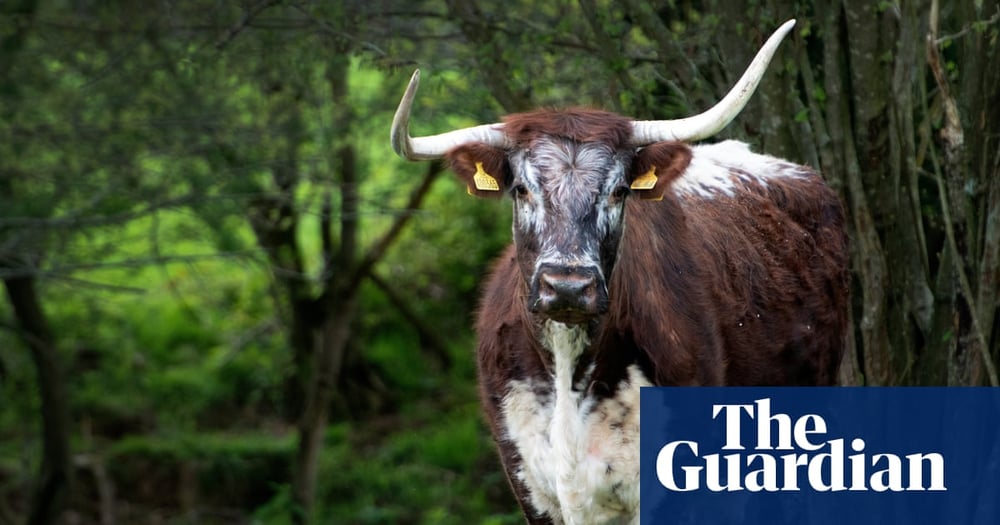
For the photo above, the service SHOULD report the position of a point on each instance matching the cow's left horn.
(435, 146)
(710, 122)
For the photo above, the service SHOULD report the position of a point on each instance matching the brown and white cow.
(637, 260)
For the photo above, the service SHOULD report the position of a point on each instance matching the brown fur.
(577, 124)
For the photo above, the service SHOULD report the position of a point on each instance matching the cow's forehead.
(564, 169)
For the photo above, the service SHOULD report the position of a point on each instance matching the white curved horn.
(712, 121)
(435, 146)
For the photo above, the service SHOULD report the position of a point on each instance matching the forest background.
(227, 301)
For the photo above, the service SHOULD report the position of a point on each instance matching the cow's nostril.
(545, 285)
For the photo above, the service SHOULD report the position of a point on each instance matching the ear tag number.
(645, 181)
(484, 181)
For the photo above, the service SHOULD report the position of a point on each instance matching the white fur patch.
(711, 171)
(580, 459)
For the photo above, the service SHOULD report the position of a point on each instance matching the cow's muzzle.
(568, 294)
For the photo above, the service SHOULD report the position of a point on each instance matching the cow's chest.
(579, 455)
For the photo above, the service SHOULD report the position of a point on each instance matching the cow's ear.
(656, 166)
(482, 168)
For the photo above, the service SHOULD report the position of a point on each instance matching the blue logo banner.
(820, 456)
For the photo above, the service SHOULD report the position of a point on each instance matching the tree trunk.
(979, 108)
(971, 360)
(335, 307)
(331, 345)
(54, 481)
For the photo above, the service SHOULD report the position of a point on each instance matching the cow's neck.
(565, 343)
(567, 350)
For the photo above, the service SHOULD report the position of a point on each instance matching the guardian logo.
(820, 455)
(821, 464)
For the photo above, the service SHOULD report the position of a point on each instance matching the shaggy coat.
(730, 270)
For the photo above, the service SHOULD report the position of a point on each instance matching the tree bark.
(972, 351)
(979, 108)
(868, 256)
(330, 346)
(54, 481)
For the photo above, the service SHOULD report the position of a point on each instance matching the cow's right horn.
(710, 122)
(435, 146)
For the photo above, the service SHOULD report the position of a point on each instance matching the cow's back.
(759, 246)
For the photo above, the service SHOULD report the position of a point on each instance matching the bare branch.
(428, 337)
(377, 250)
(978, 25)
(963, 280)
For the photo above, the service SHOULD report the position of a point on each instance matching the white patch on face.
(563, 180)
(580, 458)
(529, 212)
(610, 209)
(711, 170)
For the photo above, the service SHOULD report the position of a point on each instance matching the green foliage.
(435, 468)
(279, 509)
(212, 469)
(133, 154)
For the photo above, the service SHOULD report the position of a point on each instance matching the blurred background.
(227, 301)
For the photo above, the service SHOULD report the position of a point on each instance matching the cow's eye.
(520, 191)
(620, 193)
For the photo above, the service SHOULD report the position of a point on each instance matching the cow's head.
(569, 174)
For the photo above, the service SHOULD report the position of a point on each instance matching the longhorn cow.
(637, 260)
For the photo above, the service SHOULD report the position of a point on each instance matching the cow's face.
(569, 203)
(569, 211)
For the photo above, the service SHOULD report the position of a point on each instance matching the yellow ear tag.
(484, 181)
(645, 181)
